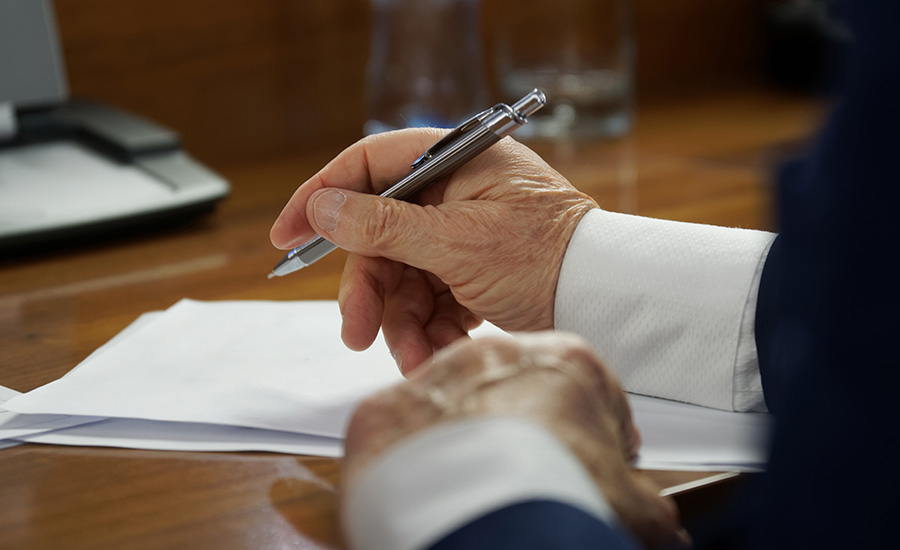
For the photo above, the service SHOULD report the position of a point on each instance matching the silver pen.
(461, 145)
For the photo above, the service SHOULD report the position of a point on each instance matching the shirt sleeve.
(670, 306)
(432, 483)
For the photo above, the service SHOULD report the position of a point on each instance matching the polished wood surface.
(702, 159)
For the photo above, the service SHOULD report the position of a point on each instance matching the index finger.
(370, 165)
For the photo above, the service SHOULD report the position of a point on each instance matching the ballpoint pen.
(458, 147)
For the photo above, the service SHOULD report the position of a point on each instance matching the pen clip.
(450, 137)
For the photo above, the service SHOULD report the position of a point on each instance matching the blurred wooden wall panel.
(242, 80)
(687, 45)
(239, 79)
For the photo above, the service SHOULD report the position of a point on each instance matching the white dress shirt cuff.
(670, 306)
(434, 482)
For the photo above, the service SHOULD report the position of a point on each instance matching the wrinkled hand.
(485, 243)
(550, 378)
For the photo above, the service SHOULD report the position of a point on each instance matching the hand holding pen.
(458, 147)
(484, 242)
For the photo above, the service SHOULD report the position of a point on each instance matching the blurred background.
(245, 81)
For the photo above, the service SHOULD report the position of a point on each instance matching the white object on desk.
(193, 377)
(14, 426)
(62, 184)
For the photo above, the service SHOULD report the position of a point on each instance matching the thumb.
(369, 224)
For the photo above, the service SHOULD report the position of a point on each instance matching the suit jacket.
(827, 315)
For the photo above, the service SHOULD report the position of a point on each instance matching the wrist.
(435, 481)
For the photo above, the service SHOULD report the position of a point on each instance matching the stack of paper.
(274, 376)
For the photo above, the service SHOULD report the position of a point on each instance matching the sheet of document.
(14, 426)
(274, 376)
(187, 436)
(678, 436)
(16, 429)
(271, 365)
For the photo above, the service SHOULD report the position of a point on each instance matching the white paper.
(196, 376)
(186, 436)
(14, 426)
(271, 365)
(679, 436)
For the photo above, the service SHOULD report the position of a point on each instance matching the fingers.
(418, 314)
(630, 433)
(653, 519)
(607, 389)
(407, 310)
(368, 165)
(424, 328)
(364, 285)
(450, 322)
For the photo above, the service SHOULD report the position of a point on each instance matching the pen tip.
(271, 275)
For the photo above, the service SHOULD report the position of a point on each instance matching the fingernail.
(398, 358)
(327, 208)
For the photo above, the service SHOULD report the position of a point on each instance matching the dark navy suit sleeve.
(537, 525)
(767, 314)
(829, 314)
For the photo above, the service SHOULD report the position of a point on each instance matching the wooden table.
(703, 159)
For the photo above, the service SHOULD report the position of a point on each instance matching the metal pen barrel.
(487, 128)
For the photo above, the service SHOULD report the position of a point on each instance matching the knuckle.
(496, 349)
(583, 355)
(380, 227)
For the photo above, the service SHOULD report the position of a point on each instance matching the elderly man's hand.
(553, 379)
(485, 243)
